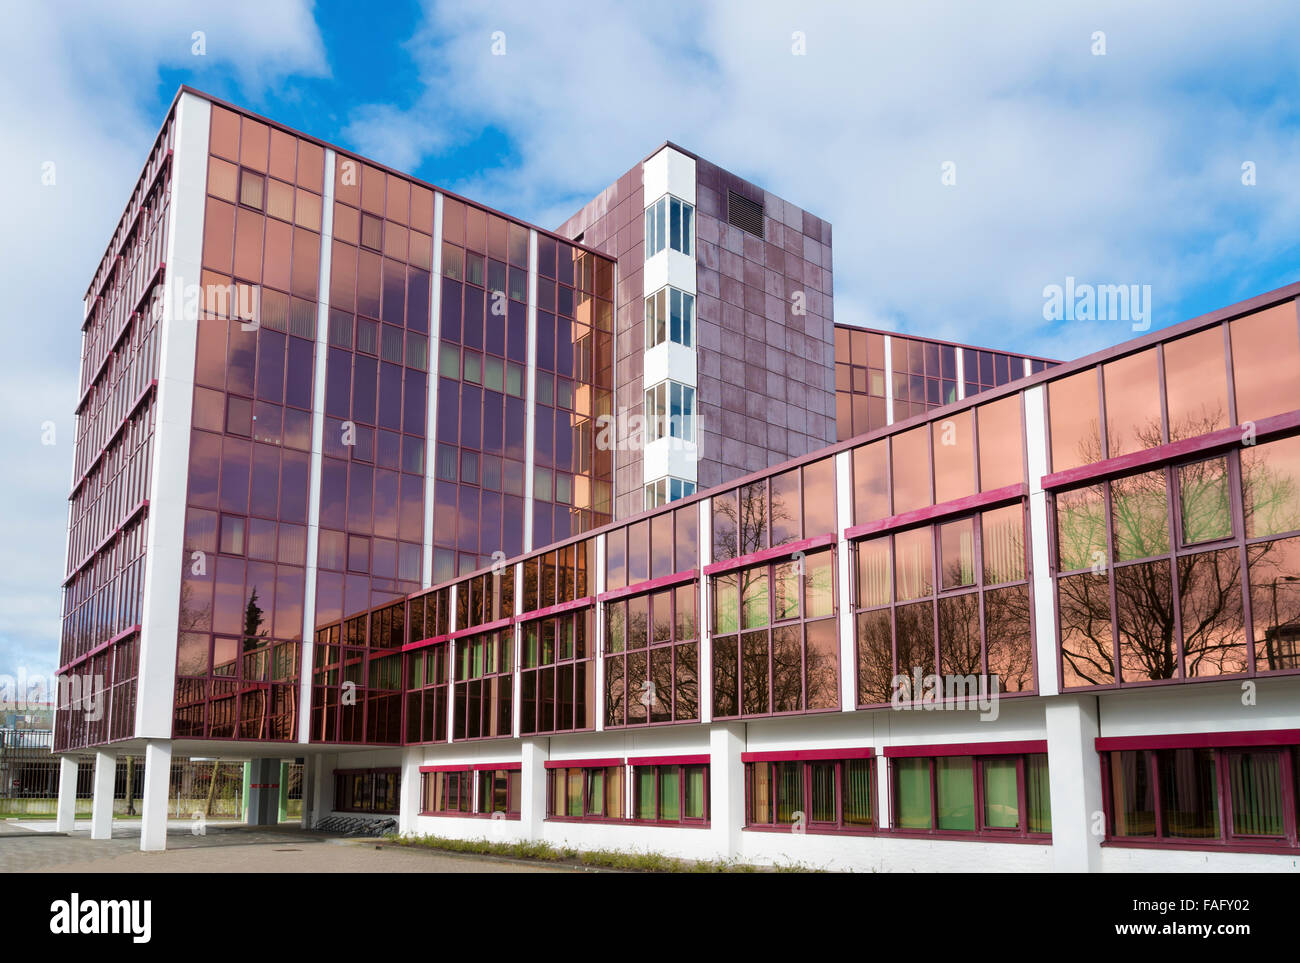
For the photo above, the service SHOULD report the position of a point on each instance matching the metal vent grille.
(744, 214)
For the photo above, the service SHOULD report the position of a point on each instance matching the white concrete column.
(101, 811)
(323, 785)
(65, 818)
(177, 344)
(317, 453)
(726, 787)
(532, 786)
(1044, 590)
(1074, 774)
(308, 791)
(961, 372)
(516, 664)
(844, 519)
(408, 800)
(153, 808)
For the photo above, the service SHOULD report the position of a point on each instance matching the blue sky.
(1119, 168)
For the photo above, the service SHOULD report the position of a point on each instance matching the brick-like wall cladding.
(766, 375)
(613, 222)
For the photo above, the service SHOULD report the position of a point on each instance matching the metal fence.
(29, 782)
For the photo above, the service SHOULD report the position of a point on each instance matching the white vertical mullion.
(530, 394)
(961, 372)
(431, 422)
(451, 662)
(517, 639)
(1044, 592)
(317, 453)
(844, 516)
(889, 380)
(596, 577)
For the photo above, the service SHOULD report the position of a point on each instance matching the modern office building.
(612, 537)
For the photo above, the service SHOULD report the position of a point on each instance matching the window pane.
(754, 673)
(870, 483)
(1265, 359)
(957, 554)
(1007, 637)
(1205, 515)
(1270, 481)
(1140, 516)
(1001, 797)
(915, 632)
(955, 785)
(1132, 794)
(912, 793)
(1133, 420)
(959, 635)
(822, 660)
(789, 791)
(693, 792)
(1214, 628)
(645, 792)
(595, 792)
(1001, 449)
(857, 792)
(1081, 528)
(669, 800)
(1255, 784)
(911, 458)
(1004, 544)
(875, 657)
(1189, 794)
(913, 563)
(954, 457)
(822, 778)
(1075, 418)
(1275, 603)
(818, 498)
(760, 793)
(1037, 793)
(873, 583)
(819, 584)
(754, 609)
(1145, 619)
(1087, 652)
(1196, 384)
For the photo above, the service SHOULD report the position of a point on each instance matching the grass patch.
(597, 858)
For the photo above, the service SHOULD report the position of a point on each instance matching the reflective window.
(1001, 444)
(1074, 415)
(1265, 359)
(1133, 420)
(1196, 384)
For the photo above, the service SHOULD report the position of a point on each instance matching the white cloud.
(1123, 168)
(79, 89)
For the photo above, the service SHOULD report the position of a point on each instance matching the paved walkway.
(34, 846)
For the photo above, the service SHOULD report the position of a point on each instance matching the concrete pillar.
(263, 792)
(726, 787)
(66, 815)
(323, 786)
(1074, 774)
(283, 800)
(153, 801)
(408, 799)
(308, 791)
(532, 787)
(101, 810)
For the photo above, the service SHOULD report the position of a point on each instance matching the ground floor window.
(366, 790)
(463, 791)
(1241, 797)
(823, 795)
(671, 793)
(585, 792)
(989, 794)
